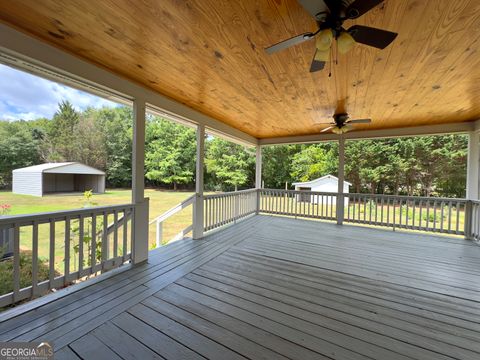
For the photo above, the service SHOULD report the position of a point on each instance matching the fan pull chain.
(330, 64)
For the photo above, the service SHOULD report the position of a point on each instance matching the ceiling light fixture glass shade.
(322, 55)
(345, 42)
(324, 40)
(342, 130)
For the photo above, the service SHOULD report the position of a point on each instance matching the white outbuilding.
(325, 184)
(50, 178)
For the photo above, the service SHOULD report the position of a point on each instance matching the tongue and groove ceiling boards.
(209, 55)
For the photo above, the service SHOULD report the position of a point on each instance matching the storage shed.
(52, 178)
(326, 184)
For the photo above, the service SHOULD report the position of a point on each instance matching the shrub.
(6, 271)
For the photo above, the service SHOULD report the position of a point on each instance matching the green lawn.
(160, 201)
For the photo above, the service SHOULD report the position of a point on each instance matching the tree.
(277, 165)
(19, 148)
(60, 140)
(116, 125)
(90, 141)
(314, 161)
(451, 176)
(170, 152)
(230, 163)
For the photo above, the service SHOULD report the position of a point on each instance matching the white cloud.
(25, 96)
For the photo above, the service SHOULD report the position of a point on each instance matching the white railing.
(80, 243)
(299, 203)
(225, 208)
(443, 215)
(159, 221)
(473, 222)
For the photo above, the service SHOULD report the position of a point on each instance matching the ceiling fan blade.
(314, 7)
(359, 121)
(371, 36)
(360, 7)
(318, 62)
(289, 42)
(326, 129)
(317, 65)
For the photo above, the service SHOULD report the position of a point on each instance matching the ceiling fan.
(330, 15)
(342, 124)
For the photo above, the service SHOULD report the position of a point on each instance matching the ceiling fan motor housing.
(350, 13)
(340, 119)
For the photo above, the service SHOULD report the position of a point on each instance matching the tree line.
(102, 138)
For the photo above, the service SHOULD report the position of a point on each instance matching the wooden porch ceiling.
(209, 55)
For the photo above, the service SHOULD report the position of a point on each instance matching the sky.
(25, 96)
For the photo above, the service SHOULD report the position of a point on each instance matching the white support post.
(198, 204)
(341, 179)
(258, 176)
(158, 239)
(473, 179)
(473, 163)
(140, 219)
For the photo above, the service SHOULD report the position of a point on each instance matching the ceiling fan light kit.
(324, 39)
(342, 124)
(345, 42)
(330, 15)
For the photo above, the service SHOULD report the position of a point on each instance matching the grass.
(160, 201)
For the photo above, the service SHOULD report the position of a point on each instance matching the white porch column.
(473, 163)
(258, 175)
(258, 167)
(341, 179)
(198, 204)
(140, 220)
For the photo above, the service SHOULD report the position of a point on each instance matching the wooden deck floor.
(276, 288)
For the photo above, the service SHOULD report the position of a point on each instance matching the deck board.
(372, 298)
(154, 339)
(272, 287)
(126, 346)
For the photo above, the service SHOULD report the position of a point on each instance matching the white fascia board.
(29, 54)
(440, 129)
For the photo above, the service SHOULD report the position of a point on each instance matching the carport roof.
(61, 168)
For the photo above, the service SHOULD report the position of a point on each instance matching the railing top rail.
(431, 198)
(428, 198)
(229, 193)
(301, 192)
(172, 211)
(47, 216)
